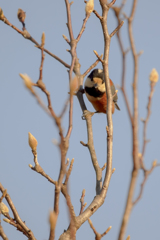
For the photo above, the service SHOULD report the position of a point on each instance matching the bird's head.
(96, 80)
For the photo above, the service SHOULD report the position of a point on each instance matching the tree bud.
(32, 141)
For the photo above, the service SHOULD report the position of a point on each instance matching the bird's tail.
(116, 105)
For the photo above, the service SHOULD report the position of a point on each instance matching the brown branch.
(129, 204)
(65, 141)
(84, 144)
(117, 11)
(128, 238)
(52, 221)
(37, 168)
(65, 38)
(92, 66)
(104, 166)
(91, 225)
(57, 120)
(97, 15)
(63, 189)
(107, 40)
(72, 214)
(90, 145)
(42, 59)
(111, 4)
(17, 218)
(3, 195)
(98, 236)
(2, 233)
(145, 141)
(26, 35)
(64, 109)
(69, 22)
(73, 222)
(99, 57)
(146, 175)
(16, 225)
(69, 172)
(73, 44)
(101, 192)
(83, 28)
(108, 229)
(82, 201)
(117, 29)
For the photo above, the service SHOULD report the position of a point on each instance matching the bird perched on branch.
(96, 92)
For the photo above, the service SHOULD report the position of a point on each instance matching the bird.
(95, 91)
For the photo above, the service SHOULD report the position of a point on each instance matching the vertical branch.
(117, 11)
(147, 119)
(135, 170)
(107, 40)
(73, 45)
(91, 148)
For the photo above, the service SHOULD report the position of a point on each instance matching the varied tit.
(96, 92)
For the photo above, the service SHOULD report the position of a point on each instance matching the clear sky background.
(31, 193)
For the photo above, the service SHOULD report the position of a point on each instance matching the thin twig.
(17, 218)
(99, 57)
(69, 172)
(2, 233)
(92, 66)
(117, 11)
(147, 119)
(83, 28)
(82, 201)
(117, 29)
(97, 15)
(98, 236)
(146, 175)
(26, 35)
(90, 145)
(112, 3)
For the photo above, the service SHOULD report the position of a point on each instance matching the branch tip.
(154, 164)
(104, 166)
(84, 144)
(117, 29)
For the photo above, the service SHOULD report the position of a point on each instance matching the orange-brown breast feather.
(100, 104)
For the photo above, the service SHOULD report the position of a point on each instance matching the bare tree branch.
(26, 35)
(117, 29)
(83, 28)
(98, 236)
(2, 233)
(92, 66)
(146, 174)
(135, 170)
(107, 40)
(147, 119)
(117, 11)
(90, 145)
(17, 218)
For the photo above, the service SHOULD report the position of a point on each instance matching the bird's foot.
(85, 113)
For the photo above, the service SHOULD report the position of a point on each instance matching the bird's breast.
(99, 103)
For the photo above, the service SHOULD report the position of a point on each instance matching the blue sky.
(20, 114)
